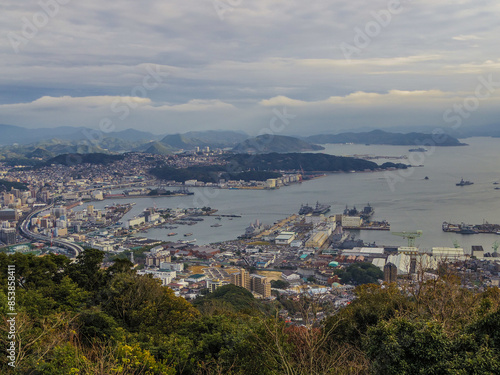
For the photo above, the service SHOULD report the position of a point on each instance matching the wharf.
(471, 229)
(374, 225)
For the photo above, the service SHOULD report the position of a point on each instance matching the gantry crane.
(495, 248)
(410, 236)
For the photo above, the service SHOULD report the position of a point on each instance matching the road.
(26, 232)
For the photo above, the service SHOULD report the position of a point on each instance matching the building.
(134, 222)
(214, 284)
(478, 252)
(290, 276)
(317, 240)
(9, 214)
(285, 238)
(241, 278)
(59, 211)
(196, 278)
(166, 277)
(179, 267)
(155, 259)
(260, 285)
(390, 273)
(8, 236)
(271, 183)
(448, 253)
(351, 221)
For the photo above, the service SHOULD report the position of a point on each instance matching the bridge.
(24, 229)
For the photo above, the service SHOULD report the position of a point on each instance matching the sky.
(280, 66)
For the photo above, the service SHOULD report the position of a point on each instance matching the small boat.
(188, 234)
(464, 183)
(172, 234)
(216, 225)
(419, 149)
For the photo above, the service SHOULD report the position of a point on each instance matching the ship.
(366, 213)
(419, 149)
(467, 229)
(305, 209)
(464, 182)
(320, 209)
(461, 228)
(317, 210)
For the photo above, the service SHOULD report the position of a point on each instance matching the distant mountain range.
(21, 143)
(380, 137)
(10, 134)
(274, 143)
(210, 138)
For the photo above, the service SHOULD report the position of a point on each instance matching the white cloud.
(264, 53)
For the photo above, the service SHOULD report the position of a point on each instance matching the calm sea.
(406, 200)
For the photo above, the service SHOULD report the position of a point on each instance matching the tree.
(360, 273)
(280, 284)
(86, 270)
(140, 303)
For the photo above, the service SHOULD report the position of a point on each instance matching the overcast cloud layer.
(174, 66)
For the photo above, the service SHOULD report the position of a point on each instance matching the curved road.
(26, 232)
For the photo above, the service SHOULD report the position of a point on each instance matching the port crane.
(495, 248)
(410, 236)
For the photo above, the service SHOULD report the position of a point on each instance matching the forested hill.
(260, 167)
(380, 137)
(8, 185)
(274, 143)
(306, 162)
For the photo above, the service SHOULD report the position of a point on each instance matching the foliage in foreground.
(74, 318)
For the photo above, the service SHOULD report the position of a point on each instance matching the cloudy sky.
(172, 66)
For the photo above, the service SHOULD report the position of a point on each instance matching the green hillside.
(274, 143)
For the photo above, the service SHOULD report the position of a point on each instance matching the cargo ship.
(464, 182)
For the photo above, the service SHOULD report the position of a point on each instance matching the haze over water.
(413, 204)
